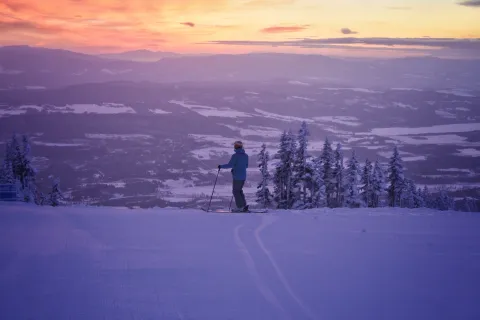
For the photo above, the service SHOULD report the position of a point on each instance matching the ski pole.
(213, 190)
(230, 206)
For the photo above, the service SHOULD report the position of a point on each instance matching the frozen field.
(105, 263)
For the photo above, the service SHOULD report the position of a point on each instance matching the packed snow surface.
(363, 264)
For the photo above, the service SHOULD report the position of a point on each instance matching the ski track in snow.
(250, 262)
(266, 221)
(260, 283)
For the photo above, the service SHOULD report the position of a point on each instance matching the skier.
(239, 164)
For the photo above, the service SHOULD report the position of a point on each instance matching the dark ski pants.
(238, 193)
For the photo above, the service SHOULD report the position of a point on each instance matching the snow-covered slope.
(106, 263)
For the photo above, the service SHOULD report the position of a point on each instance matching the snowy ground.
(106, 263)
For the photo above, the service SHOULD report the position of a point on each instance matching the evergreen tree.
(327, 160)
(378, 184)
(280, 175)
(283, 182)
(427, 198)
(6, 171)
(470, 204)
(27, 172)
(419, 199)
(352, 197)
(311, 182)
(366, 189)
(444, 201)
(395, 178)
(302, 174)
(408, 194)
(55, 194)
(263, 192)
(290, 187)
(338, 177)
(43, 199)
(17, 166)
(15, 156)
(318, 194)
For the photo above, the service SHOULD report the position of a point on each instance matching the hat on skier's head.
(238, 144)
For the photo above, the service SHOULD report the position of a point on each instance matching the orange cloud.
(283, 29)
(117, 24)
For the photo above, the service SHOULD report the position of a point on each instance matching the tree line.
(17, 169)
(302, 181)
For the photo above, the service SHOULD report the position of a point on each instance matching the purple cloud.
(470, 3)
(348, 31)
(447, 43)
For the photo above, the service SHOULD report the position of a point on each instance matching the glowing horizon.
(228, 26)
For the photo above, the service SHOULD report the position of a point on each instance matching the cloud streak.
(17, 24)
(188, 24)
(399, 8)
(283, 29)
(470, 3)
(448, 43)
(348, 31)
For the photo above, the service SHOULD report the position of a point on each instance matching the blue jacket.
(239, 164)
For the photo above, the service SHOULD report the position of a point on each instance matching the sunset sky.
(235, 26)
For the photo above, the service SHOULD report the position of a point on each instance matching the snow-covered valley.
(124, 144)
(114, 263)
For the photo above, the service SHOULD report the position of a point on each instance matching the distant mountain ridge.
(22, 66)
(141, 55)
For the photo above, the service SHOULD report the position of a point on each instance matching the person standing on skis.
(239, 164)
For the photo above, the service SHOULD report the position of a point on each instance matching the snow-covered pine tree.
(470, 204)
(395, 178)
(55, 194)
(6, 171)
(279, 177)
(290, 187)
(301, 170)
(352, 197)
(444, 201)
(279, 174)
(15, 156)
(408, 194)
(283, 186)
(419, 199)
(43, 199)
(310, 180)
(378, 184)
(327, 159)
(366, 189)
(427, 198)
(27, 172)
(318, 194)
(338, 177)
(263, 194)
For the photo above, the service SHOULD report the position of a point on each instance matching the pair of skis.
(230, 211)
